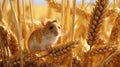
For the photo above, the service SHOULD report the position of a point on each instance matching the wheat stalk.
(73, 19)
(73, 24)
(49, 12)
(83, 3)
(63, 14)
(24, 24)
(96, 22)
(1, 17)
(4, 5)
(31, 13)
(0, 3)
(114, 3)
(18, 30)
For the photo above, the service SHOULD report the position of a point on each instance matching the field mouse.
(46, 36)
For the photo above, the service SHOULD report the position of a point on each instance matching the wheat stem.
(114, 3)
(31, 13)
(49, 12)
(18, 31)
(73, 18)
(73, 23)
(24, 25)
(4, 5)
(62, 15)
(83, 3)
(0, 3)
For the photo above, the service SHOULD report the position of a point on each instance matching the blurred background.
(77, 1)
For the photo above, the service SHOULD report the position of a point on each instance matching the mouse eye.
(59, 27)
(51, 27)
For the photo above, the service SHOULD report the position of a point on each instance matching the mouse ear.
(44, 21)
(56, 20)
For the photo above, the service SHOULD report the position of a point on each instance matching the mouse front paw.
(48, 47)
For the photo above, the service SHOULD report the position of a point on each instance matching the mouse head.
(52, 27)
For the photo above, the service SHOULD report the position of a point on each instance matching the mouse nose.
(56, 33)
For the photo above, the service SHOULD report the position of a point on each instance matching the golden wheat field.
(90, 33)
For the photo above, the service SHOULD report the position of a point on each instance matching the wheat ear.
(59, 50)
(29, 60)
(62, 49)
(32, 59)
(96, 22)
(4, 45)
(115, 33)
(114, 40)
(103, 50)
(58, 7)
(13, 44)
